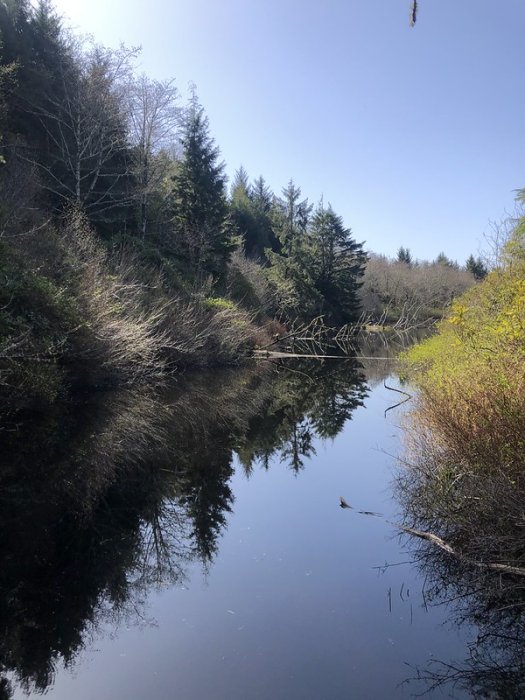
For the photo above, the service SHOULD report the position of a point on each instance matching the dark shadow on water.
(108, 497)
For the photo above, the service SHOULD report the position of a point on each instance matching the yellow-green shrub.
(472, 373)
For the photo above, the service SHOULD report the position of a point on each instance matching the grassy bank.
(466, 480)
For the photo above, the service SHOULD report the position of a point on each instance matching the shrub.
(467, 433)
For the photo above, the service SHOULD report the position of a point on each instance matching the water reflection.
(107, 498)
(484, 515)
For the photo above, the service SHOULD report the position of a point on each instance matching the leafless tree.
(410, 294)
(85, 158)
(153, 120)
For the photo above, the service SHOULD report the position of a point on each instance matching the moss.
(218, 304)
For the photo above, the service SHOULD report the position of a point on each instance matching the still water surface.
(194, 546)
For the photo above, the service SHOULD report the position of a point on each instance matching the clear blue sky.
(415, 136)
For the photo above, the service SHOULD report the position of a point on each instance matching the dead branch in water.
(434, 539)
(399, 391)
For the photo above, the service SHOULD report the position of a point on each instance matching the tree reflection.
(309, 400)
(106, 499)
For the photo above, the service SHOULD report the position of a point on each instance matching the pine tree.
(291, 219)
(289, 269)
(242, 210)
(203, 229)
(442, 259)
(404, 256)
(250, 210)
(337, 263)
(476, 267)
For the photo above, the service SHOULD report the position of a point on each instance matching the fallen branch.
(399, 391)
(430, 537)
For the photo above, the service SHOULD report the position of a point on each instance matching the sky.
(414, 135)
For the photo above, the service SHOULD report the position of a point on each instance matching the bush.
(467, 433)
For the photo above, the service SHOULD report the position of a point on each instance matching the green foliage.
(476, 267)
(218, 303)
(442, 259)
(404, 255)
(319, 267)
(337, 263)
(472, 373)
(250, 209)
(203, 230)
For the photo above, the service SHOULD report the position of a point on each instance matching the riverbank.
(74, 314)
(464, 479)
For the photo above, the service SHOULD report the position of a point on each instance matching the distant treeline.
(410, 292)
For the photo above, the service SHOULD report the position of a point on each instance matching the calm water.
(192, 545)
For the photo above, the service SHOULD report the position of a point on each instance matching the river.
(192, 545)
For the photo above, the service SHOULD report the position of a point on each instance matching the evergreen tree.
(263, 201)
(476, 267)
(337, 263)
(289, 269)
(250, 210)
(404, 256)
(442, 259)
(242, 211)
(291, 219)
(203, 229)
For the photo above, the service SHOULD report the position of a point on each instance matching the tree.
(476, 267)
(404, 255)
(251, 213)
(337, 263)
(153, 120)
(442, 259)
(203, 229)
(288, 267)
(85, 159)
(263, 201)
(242, 210)
(291, 216)
(319, 266)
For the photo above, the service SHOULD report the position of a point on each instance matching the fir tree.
(404, 256)
(201, 220)
(476, 267)
(250, 210)
(337, 264)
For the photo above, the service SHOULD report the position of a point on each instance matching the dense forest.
(124, 253)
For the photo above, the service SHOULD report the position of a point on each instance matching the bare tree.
(410, 294)
(84, 159)
(153, 120)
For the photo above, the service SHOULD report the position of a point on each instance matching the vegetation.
(472, 372)
(123, 255)
(411, 293)
(465, 479)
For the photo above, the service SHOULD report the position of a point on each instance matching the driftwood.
(430, 537)
(445, 546)
(274, 354)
